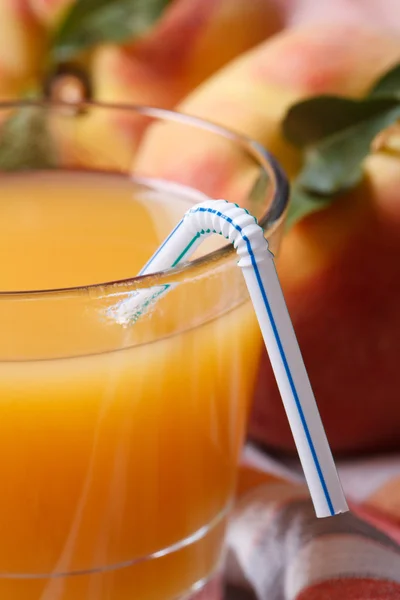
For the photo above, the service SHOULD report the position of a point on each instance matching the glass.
(119, 440)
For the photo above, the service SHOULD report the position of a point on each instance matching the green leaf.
(335, 135)
(315, 119)
(335, 163)
(25, 142)
(92, 22)
(388, 85)
(303, 202)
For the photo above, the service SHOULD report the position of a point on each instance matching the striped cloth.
(279, 550)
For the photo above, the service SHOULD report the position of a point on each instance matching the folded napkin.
(279, 550)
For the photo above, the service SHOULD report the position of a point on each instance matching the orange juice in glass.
(119, 438)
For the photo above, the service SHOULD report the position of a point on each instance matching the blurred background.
(245, 64)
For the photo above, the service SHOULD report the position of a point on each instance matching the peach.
(340, 268)
(97, 138)
(193, 39)
(21, 48)
(365, 13)
(50, 12)
(344, 308)
(252, 93)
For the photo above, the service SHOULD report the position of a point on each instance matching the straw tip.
(324, 513)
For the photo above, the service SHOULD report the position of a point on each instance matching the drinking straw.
(257, 264)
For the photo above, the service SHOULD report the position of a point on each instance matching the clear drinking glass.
(120, 438)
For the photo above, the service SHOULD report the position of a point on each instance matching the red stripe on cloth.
(377, 519)
(351, 589)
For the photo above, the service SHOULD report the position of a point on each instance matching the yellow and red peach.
(340, 268)
(193, 39)
(21, 44)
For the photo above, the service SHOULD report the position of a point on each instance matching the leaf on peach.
(304, 202)
(336, 134)
(388, 84)
(335, 163)
(92, 22)
(317, 118)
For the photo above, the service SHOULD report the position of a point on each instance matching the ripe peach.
(341, 274)
(193, 39)
(49, 12)
(340, 268)
(21, 48)
(366, 13)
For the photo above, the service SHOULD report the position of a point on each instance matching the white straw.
(258, 268)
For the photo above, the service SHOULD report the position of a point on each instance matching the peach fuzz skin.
(21, 48)
(193, 39)
(340, 267)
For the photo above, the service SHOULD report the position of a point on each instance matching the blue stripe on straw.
(279, 343)
(146, 266)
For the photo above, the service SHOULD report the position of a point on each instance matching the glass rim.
(273, 216)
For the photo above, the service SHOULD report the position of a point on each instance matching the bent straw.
(258, 268)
